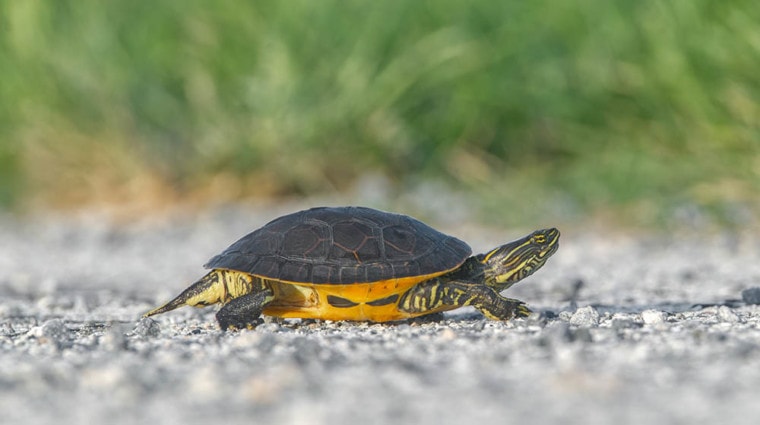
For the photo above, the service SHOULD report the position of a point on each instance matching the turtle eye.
(539, 239)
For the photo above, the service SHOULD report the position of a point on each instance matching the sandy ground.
(646, 329)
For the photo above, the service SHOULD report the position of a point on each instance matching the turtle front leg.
(435, 295)
(494, 306)
(242, 312)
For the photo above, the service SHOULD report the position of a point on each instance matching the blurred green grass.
(640, 110)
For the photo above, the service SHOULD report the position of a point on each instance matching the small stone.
(653, 317)
(585, 316)
(55, 329)
(726, 314)
(6, 329)
(147, 327)
(751, 295)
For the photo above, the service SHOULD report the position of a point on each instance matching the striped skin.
(510, 263)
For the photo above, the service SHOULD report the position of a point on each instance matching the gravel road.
(628, 329)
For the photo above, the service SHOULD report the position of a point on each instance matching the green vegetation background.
(642, 110)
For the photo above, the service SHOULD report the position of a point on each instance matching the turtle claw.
(521, 310)
(234, 325)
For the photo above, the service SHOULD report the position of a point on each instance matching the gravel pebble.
(53, 331)
(147, 327)
(653, 317)
(727, 314)
(585, 316)
(751, 295)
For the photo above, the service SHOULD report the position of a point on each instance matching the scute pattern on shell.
(343, 245)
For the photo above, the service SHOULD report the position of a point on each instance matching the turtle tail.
(210, 289)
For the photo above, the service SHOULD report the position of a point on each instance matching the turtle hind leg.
(243, 312)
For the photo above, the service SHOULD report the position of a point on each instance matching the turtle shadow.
(669, 306)
(666, 306)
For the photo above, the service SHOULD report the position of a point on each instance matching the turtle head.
(506, 265)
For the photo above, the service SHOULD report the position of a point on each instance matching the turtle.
(360, 264)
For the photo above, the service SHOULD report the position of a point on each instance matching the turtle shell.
(343, 245)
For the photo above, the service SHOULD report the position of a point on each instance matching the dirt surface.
(626, 330)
